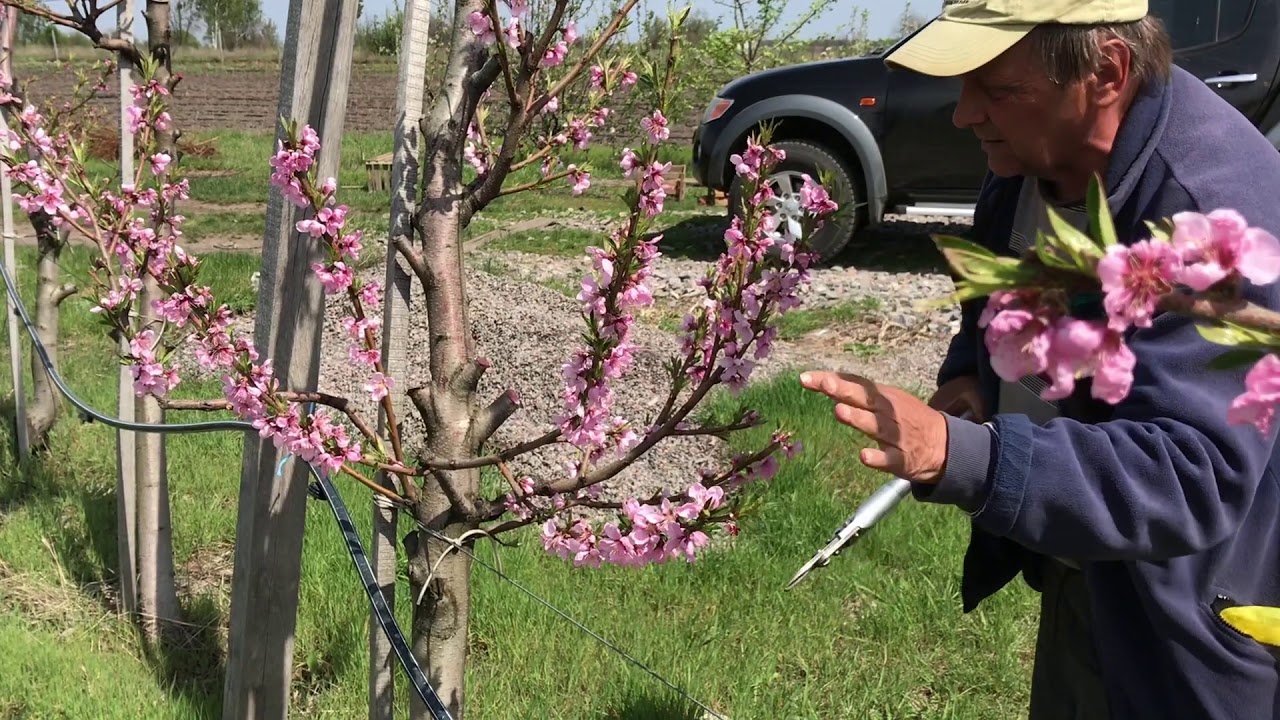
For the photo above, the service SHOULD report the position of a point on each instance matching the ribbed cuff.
(966, 479)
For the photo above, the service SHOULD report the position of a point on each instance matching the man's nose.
(968, 112)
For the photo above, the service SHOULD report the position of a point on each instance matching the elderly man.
(1134, 521)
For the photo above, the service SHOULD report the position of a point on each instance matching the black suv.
(887, 137)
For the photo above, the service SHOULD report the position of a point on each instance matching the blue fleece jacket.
(1168, 509)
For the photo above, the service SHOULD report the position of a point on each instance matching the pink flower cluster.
(1030, 333)
(759, 277)
(658, 531)
(609, 299)
(650, 533)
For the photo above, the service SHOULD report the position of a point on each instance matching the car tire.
(812, 159)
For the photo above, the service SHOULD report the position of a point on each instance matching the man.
(1135, 521)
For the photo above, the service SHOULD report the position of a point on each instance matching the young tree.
(498, 55)
(60, 185)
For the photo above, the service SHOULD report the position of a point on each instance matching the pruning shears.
(864, 518)
(881, 502)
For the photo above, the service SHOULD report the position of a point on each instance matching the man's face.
(1027, 124)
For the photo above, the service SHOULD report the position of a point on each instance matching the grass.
(877, 634)
(800, 322)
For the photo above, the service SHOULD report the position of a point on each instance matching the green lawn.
(878, 634)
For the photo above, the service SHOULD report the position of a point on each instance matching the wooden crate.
(675, 181)
(378, 172)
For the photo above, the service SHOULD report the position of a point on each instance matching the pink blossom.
(554, 54)
(379, 385)
(581, 180)
(1214, 246)
(371, 295)
(512, 33)
(159, 163)
(1018, 334)
(570, 32)
(656, 126)
(1257, 404)
(815, 199)
(1134, 279)
(481, 27)
(630, 161)
(336, 277)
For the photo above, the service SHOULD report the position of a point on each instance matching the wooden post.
(126, 447)
(314, 77)
(395, 324)
(10, 29)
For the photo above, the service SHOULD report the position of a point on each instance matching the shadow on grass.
(656, 705)
(898, 246)
(191, 663)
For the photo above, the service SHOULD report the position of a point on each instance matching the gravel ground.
(528, 329)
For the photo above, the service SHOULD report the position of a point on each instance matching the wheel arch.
(817, 120)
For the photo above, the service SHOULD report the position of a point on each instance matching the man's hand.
(912, 436)
(958, 396)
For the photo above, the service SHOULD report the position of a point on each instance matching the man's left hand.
(912, 436)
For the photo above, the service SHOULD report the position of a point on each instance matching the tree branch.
(487, 421)
(1233, 310)
(86, 25)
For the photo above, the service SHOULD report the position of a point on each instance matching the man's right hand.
(958, 396)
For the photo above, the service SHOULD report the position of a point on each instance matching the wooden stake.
(10, 259)
(314, 78)
(126, 447)
(395, 325)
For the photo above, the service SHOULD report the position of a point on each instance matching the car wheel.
(812, 159)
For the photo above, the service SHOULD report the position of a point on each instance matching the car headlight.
(718, 107)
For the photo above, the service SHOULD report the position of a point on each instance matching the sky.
(884, 13)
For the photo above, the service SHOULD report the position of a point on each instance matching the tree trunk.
(42, 413)
(157, 592)
(440, 620)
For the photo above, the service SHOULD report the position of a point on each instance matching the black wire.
(325, 490)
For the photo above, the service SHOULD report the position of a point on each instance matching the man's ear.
(1112, 75)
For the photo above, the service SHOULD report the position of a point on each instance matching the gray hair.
(1070, 52)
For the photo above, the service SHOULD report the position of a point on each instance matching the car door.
(1232, 45)
(928, 158)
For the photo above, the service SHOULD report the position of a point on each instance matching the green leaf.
(1079, 245)
(1101, 224)
(1232, 335)
(1233, 359)
(1162, 231)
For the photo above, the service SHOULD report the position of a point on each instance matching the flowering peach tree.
(137, 229)
(1194, 264)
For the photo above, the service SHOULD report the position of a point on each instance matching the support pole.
(10, 258)
(395, 324)
(126, 447)
(314, 78)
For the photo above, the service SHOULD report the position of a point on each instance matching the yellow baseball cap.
(971, 33)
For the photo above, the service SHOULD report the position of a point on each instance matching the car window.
(1202, 22)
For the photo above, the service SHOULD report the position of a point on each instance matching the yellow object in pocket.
(1258, 622)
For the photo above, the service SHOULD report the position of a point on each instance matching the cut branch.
(491, 418)
(1236, 311)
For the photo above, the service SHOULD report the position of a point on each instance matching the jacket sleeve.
(1165, 475)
